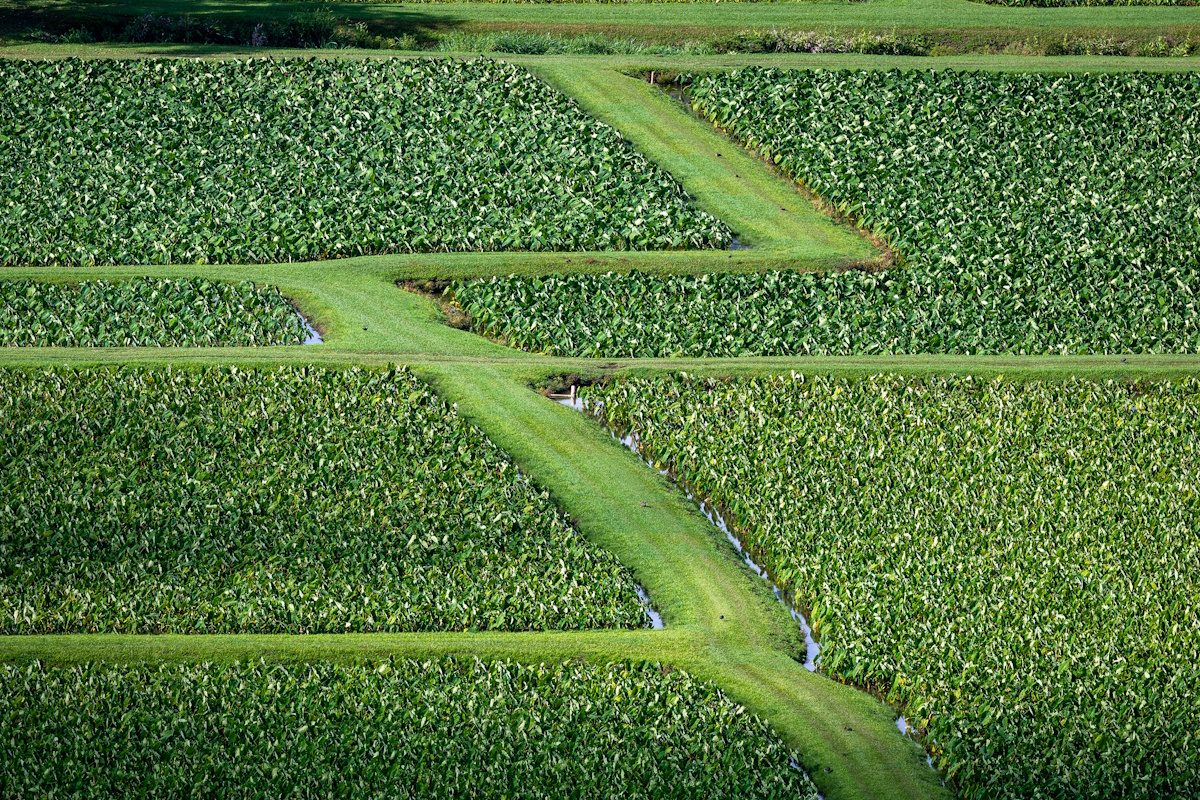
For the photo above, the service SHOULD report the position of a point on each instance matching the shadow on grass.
(106, 21)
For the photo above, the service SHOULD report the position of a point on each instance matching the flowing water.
(655, 618)
(908, 730)
(312, 335)
(812, 647)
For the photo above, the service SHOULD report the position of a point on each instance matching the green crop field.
(1014, 564)
(167, 162)
(643, 315)
(389, 565)
(145, 313)
(290, 500)
(1029, 214)
(396, 728)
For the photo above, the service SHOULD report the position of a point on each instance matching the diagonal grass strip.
(1033, 214)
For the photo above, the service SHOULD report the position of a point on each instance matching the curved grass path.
(721, 622)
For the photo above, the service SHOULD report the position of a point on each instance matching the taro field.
(395, 727)
(165, 162)
(286, 500)
(911, 350)
(1029, 214)
(146, 313)
(1013, 564)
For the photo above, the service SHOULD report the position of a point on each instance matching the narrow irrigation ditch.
(630, 440)
(569, 397)
(311, 334)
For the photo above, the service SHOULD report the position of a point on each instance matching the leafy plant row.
(289, 500)
(393, 728)
(643, 315)
(1031, 214)
(145, 312)
(1016, 565)
(168, 161)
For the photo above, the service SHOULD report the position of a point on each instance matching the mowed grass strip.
(259, 161)
(146, 312)
(1014, 564)
(395, 728)
(286, 500)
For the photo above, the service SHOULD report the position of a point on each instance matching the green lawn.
(689, 17)
(952, 25)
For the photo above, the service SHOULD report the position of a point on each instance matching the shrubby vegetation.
(321, 28)
(776, 40)
(289, 500)
(316, 28)
(773, 40)
(116, 162)
(1013, 564)
(394, 728)
(145, 313)
(1156, 47)
(530, 43)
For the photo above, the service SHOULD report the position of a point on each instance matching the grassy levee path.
(722, 623)
(740, 637)
(764, 211)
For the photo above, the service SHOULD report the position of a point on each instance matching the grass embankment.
(764, 210)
